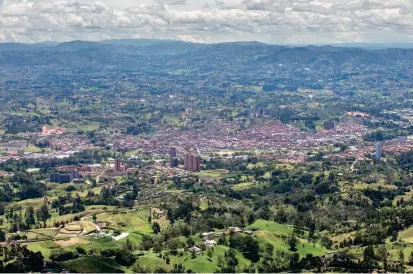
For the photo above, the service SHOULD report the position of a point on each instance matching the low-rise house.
(232, 230)
(207, 234)
(195, 249)
(210, 243)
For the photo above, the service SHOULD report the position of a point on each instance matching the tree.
(294, 261)
(156, 228)
(292, 242)
(125, 257)
(34, 262)
(382, 254)
(209, 253)
(29, 217)
(43, 214)
(369, 258)
(401, 257)
(411, 258)
(269, 250)
(326, 241)
(81, 250)
(128, 244)
(94, 218)
(173, 245)
(311, 228)
(2, 236)
(251, 249)
(190, 242)
(231, 262)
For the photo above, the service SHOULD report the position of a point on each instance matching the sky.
(209, 21)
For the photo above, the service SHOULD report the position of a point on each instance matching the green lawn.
(272, 226)
(213, 173)
(33, 149)
(276, 234)
(103, 243)
(151, 261)
(134, 238)
(128, 222)
(92, 265)
(242, 186)
(204, 204)
(407, 235)
(44, 247)
(200, 264)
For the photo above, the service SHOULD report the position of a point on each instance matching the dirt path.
(121, 236)
(352, 166)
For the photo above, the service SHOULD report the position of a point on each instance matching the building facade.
(192, 162)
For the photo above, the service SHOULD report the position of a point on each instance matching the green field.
(92, 265)
(407, 235)
(200, 264)
(276, 234)
(204, 204)
(272, 226)
(44, 247)
(129, 221)
(216, 173)
(33, 149)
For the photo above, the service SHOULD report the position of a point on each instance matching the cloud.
(171, 2)
(275, 21)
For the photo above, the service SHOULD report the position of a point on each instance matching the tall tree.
(43, 214)
(29, 217)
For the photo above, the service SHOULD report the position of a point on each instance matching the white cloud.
(276, 21)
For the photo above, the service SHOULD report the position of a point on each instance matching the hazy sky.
(273, 21)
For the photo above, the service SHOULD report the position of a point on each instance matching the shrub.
(125, 257)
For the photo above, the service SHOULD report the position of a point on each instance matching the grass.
(204, 204)
(151, 261)
(92, 265)
(35, 203)
(128, 222)
(342, 237)
(363, 186)
(44, 247)
(407, 196)
(135, 152)
(276, 234)
(200, 264)
(407, 235)
(280, 244)
(33, 149)
(214, 173)
(90, 210)
(88, 226)
(242, 186)
(103, 243)
(272, 226)
(305, 248)
(259, 164)
(134, 239)
(46, 232)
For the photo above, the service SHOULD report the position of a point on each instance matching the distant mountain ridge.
(142, 43)
(236, 58)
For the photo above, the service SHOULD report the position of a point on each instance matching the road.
(352, 166)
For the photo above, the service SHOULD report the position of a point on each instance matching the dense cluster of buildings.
(52, 130)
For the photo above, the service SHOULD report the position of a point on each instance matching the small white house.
(210, 243)
(195, 249)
